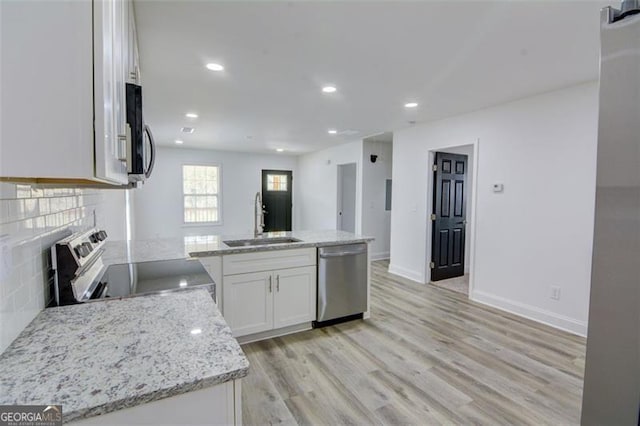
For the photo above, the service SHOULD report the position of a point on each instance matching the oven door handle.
(103, 293)
(152, 146)
(100, 291)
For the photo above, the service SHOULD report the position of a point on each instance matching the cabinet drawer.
(267, 260)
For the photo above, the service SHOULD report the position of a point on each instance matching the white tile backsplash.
(31, 220)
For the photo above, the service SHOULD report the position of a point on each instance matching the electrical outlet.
(555, 293)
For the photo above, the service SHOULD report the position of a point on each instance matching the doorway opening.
(450, 237)
(277, 199)
(346, 206)
(377, 172)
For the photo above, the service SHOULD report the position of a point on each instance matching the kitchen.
(206, 108)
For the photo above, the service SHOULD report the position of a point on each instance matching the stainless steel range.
(81, 276)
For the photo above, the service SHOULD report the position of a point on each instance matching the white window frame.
(200, 224)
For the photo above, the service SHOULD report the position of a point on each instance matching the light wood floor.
(426, 356)
(459, 284)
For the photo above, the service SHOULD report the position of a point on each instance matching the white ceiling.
(450, 56)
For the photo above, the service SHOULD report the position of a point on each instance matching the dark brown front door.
(276, 199)
(449, 216)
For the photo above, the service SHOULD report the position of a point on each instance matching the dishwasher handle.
(355, 252)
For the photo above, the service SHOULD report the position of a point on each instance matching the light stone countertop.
(95, 358)
(213, 245)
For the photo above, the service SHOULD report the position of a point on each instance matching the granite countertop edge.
(277, 246)
(156, 395)
(227, 361)
(195, 246)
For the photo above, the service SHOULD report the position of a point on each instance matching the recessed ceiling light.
(279, 149)
(329, 89)
(187, 130)
(196, 331)
(191, 115)
(332, 132)
(179, 142)
(215, 67)
(411, 105)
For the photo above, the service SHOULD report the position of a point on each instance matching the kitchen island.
(128, 360)
(214, 245)
(266, 285)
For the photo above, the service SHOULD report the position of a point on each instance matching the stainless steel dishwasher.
(342, 283)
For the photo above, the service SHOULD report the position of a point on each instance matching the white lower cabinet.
(294, 299)
(262, 301)
(248, 302)
(261, 291)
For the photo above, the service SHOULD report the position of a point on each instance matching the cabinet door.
(133, 68)
(295, 296)
(248, 302)
(121, 47)
(110, 151)
(46, 88)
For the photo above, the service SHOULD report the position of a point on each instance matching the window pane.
(212, 173)
(276, 182)
(188, 173)
(200, 189)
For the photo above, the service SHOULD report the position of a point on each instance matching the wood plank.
(426, 356)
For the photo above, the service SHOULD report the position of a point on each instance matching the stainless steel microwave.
(142, 152)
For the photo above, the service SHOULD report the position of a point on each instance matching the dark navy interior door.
(449, 216)
(277, 199)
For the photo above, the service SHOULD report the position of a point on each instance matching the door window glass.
(276, 182)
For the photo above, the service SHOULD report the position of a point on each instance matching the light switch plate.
(498, 187)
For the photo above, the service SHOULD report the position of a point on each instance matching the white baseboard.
(406, 273)
(380, 256)
(534, 313)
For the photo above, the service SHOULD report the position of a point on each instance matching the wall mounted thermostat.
(498, 187)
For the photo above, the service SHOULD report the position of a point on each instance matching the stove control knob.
(81, 250)
(102, 235)
(88, 246)
(94, 238)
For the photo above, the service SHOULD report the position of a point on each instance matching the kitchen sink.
(261, 241)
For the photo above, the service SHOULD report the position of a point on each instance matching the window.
(201, 191)
(276, 182)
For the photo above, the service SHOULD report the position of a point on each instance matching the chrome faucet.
(258, 216)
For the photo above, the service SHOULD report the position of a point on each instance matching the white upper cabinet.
(64, 62)
(133, 60)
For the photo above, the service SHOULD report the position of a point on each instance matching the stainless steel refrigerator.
(612, 371)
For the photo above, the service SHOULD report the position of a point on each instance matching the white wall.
(113, 213)
(376, 221)
(158, 204)
(536, 234)
(317, 189)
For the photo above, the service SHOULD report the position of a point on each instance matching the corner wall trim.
(406, 273)
(380, 256)
(533, 313)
